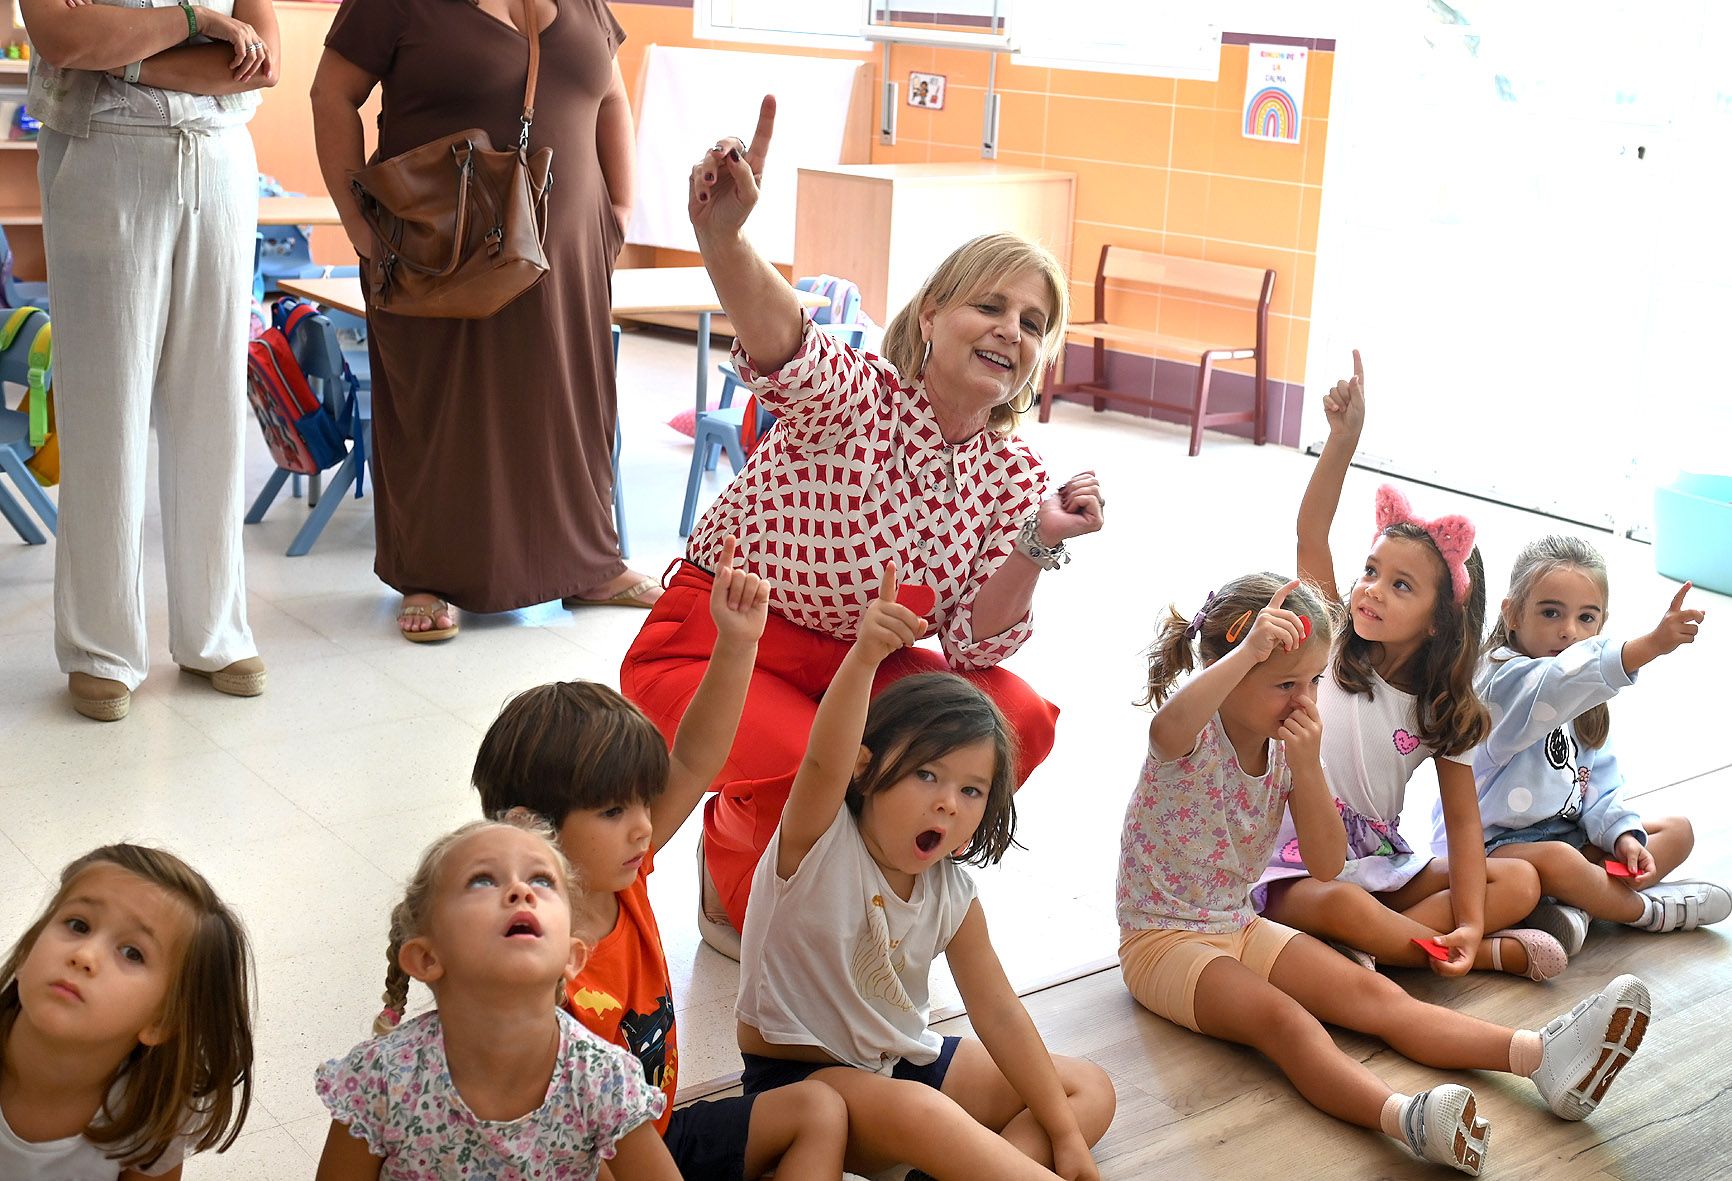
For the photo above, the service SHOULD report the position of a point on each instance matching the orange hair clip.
(1237, 628)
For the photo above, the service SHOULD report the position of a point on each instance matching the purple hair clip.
(1196, 625)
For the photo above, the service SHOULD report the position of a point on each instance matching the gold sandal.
(429, 612)
(629, 597)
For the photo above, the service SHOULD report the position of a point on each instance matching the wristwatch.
(1029, 544)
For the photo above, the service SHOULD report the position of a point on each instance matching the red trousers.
(661, 672)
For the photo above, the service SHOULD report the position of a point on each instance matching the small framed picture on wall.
(926, 90)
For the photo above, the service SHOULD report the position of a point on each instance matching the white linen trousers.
(149, 239)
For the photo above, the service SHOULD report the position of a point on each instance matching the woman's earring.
(1024, 409)
(924, 357)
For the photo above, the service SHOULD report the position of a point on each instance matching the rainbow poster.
(1274, 92)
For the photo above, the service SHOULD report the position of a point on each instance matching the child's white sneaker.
(1582, 1051)
(1442, 1126)
(1683, 906)
(1567, 924)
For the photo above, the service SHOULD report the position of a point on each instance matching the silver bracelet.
(1030, 546)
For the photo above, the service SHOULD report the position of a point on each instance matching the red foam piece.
(1432, 948)
(1618, 869)
(918, 599)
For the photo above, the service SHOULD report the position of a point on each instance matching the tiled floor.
(307, 806)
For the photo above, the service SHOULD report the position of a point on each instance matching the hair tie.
(389, 1017)
(1238, 628)
(1195, 628)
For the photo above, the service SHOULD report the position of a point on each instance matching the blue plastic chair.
(720, 430)
(15, 449)
(285, 253)
(321, 358)
(16, 292)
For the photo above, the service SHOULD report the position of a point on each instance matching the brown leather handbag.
(458, 225)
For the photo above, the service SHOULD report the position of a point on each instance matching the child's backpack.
(38, 402)
(303, 436)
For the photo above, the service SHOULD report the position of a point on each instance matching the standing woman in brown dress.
(493, 438)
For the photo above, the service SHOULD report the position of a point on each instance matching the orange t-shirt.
(624, 995)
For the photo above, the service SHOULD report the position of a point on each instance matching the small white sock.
(1653, 915)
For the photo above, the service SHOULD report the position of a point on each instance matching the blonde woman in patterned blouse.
(910, 459)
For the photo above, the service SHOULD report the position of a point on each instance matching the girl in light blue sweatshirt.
(1549, 786)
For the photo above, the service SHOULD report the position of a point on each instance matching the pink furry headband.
(1453, 535)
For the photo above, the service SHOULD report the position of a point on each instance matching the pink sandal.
(1546, 956)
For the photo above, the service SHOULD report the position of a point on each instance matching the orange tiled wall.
(1160, 165)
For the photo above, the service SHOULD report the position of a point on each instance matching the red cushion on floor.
(686, 421)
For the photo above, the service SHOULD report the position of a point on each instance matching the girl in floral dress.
(1230, 751)
(497, 1081)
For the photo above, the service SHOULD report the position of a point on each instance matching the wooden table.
(298, 211)
(637, 291)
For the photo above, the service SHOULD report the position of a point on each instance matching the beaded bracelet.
(191, 20)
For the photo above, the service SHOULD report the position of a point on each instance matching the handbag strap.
(532, 28)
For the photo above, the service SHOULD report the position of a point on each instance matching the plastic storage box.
(1693, 530)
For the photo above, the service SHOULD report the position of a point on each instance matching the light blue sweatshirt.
(1532, 768)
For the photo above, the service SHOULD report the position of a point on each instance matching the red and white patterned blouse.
(857, 473)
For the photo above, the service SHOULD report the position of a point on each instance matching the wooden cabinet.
(886, 226)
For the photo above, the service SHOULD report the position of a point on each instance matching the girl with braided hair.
(497, 1078)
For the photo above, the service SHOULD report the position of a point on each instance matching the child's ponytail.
(1172, 654)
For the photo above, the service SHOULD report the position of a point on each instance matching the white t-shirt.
(832, 958)
(74, 1158)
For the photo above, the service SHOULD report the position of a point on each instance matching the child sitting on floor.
(125, 1039)
(1229, 751)
(589, 762)
(1550, 786)
(860, 888)
(498, 1080)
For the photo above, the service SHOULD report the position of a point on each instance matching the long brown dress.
(492, 439)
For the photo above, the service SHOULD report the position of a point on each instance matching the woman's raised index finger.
(1358, 366)
(887, 584)
(760, 146)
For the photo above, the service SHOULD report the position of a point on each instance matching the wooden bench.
(1215, 282)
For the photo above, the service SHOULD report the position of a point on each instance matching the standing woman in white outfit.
(150, 207)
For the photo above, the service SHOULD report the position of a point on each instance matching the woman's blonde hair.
(974, 267)
(411, 917)
(197, 1082)
(1556, 551)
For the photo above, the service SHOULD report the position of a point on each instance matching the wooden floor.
(1192, 1107)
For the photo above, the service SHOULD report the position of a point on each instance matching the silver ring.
(256, 47)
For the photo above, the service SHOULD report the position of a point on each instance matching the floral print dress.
(395, 1093)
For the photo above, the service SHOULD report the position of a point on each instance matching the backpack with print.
(38, 404)
(303, 436)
